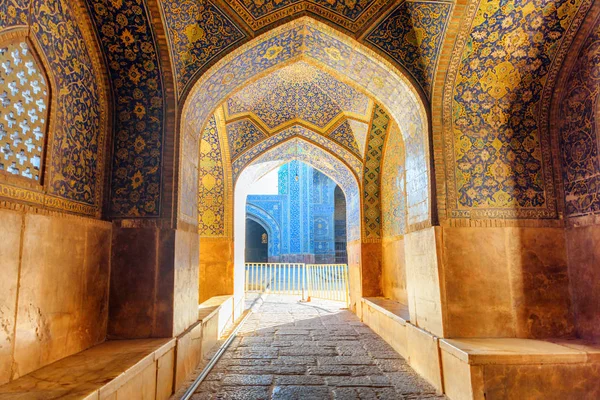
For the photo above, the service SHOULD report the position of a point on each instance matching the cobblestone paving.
(293, 350)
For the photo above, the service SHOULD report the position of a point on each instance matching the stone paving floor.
(293, 350)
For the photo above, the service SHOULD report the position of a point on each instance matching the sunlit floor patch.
(289, 349)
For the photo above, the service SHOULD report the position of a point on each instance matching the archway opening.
(255, 100)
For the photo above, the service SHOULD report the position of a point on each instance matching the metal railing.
(324, 281)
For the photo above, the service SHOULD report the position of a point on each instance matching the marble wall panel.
(354, 271)
(393, 280)
(549, 381)
(63, 290)
(165, 368)
(422, 249)
(371, 269)
(423, 355)
(478, 282)
(10, 226)
(537, 263)
(186, 270)
(189, 354)
(141, 289)
(216, 267)
(505, 282)
(584, 275)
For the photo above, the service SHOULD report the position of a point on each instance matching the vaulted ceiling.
(475, 64)
(298, 94)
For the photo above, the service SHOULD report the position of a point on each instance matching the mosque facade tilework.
(125, 30)
(211, 176)
(299, 149)
(336, 54)
(412, 35)
(497, 150)
(304, 206)
(76, 157)
(579, 139)
(198, 31)
(393, 186)
(372, 174)
(266, 210)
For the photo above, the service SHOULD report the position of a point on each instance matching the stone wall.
(54, 297)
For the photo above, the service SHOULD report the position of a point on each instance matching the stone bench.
(128, 369)
(214, 315)
(387, 318)
(123, 369)
(510, 368)
(391, 320)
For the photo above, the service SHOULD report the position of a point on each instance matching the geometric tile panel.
(412, 36)
(372, 174)
(393, 186)
(499, 160)
(579, 136)
(242, 134)
(343, 135)
(23, 111)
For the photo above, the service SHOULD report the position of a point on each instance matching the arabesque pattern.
(412, 36)
(75, 170)
(125, 30)
(296, 131)
(372, 174)
(212, 192)
(348, 14)
(298, 92)
(393, 186)
(500, 163)
(242, 135)
(198, 32)
(579, 138)
(343, 135)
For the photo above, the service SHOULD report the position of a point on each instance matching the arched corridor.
(441, 162)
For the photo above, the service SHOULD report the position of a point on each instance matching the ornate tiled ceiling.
(410, 33)
(349, 14)
(298, 92)
(301, 95)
